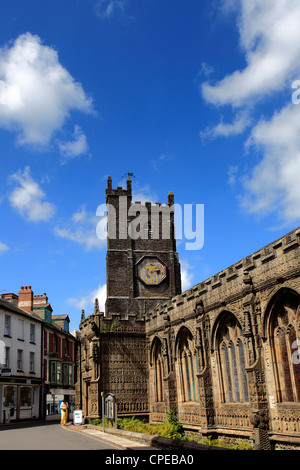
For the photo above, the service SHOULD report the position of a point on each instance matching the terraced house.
(21, 373)
(59, 348)
(37, 360)
(222, 355)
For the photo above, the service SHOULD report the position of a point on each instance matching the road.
(47, 436)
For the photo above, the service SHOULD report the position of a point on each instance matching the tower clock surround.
(151, 270)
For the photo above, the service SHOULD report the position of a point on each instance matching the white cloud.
(107, 8)
(206, 70)
(89, 229)
(3, 248)
(144, 194)
(87, 301)
(82, 229)
(274, 183)
(157, 163)
(241, 122)
(74, 148)
(270, 39)
(186, 275)
(232, 174)
(37, 93)
(28, 198)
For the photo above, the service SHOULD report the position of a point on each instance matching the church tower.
(142, 270)
(142, 266)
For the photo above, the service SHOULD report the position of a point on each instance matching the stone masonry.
(222, 355)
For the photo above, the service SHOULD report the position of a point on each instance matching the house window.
(31, 362)
(53, 372)
(21, 329)
(26, 396)
(10, 396)
(7, 325)
(71, 375)
(67, 347)
(67, 374)
(32, 333)
(54, 343)
(7, 358)
(47, 316)
(20, 360)
(58, 373)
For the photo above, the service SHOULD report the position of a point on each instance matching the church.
(223, 355)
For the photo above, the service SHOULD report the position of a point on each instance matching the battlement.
(127, 192)
(119, 191)
(114, 323)
(150, 205)
(273, 261)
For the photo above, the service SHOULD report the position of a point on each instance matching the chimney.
(40, 300)
(26, 299)
(12, 298)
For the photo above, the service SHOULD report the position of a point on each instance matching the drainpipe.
(42, 405)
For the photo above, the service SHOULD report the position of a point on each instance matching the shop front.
(19, 402)
(54, 399)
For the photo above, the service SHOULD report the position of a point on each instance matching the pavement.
(123, 440)
(118, 441)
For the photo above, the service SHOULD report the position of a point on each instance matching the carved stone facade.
(241, 329)
(223, 355)
(112, 359)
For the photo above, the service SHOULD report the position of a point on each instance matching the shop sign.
(77, 417)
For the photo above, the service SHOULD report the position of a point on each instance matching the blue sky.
(190, 96)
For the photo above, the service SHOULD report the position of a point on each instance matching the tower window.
(148, 232)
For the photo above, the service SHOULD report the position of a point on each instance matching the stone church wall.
(222, 355)
(188, 361)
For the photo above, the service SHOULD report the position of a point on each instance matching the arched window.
(157, 361)
(186, 357)
(283, 328)
(231, 359)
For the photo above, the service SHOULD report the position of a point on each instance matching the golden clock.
(151, 270)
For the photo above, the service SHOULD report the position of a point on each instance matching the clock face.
(151, 270)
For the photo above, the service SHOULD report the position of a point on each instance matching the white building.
(21, 367)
